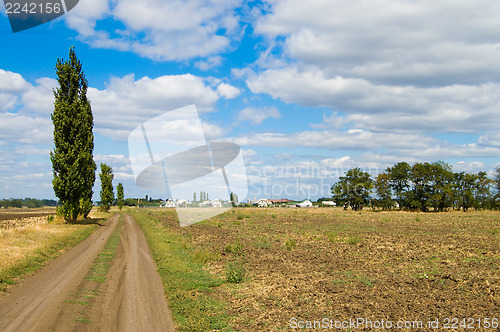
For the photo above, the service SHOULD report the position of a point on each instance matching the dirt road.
(61, 298)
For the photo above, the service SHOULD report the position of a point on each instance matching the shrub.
(354, 239)
(235, 248)
(235, 272)
(332, 236)
(204, 255)
(290, 244)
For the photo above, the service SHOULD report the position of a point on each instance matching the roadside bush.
(204, 255)
(235, 272)
(332, 236)
(290, 244)
(235, 248)
(354, 239)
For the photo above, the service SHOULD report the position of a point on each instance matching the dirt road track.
(131, 298)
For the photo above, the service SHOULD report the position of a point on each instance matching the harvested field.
(311, 264)
(17, 214)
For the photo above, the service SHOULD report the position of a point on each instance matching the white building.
(181, 203)
(305, 204)
(168, 204)
(263, 203)
(216, 203)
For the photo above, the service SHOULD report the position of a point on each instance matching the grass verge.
(48, 241)
(187, 285)
(99, 270)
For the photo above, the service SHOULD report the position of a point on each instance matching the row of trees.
(27, 202)
(203, 196)
(421, 186)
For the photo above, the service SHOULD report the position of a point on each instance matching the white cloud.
(228, 91)
(25, 129)
(11, 86)
(459, 108)
(257, 115)
(428, 43)
(491, 139)
(159, 30)
(40, 98)
(383, 65)
(126, 103)
(338, 140)
(209, 63)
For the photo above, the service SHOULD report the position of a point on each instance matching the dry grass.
(16, 243)
(26, 243)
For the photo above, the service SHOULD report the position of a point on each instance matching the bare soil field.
(13, 217)
(310, 264)
(106, 283)
(17, 213)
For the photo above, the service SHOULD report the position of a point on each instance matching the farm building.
(168, 204)
(304, 204)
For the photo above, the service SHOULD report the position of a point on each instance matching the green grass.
(204, 256)
(235, 272)
(187, 284)
(83, 320)
(102, 264)
(235, 248)
(354, 239)
(290, 244)
(53, 248)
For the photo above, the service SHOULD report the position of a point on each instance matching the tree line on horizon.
(419, 187)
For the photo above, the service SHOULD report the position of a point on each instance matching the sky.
(306, 89)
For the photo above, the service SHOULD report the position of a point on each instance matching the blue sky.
(307, 89)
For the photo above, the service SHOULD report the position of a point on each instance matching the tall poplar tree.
(72, 159)
(119, 195)
(107, 194)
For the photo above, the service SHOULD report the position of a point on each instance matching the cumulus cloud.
(40, 98)
(11, 86)
(122, 105)
(460, 108)
(159, 30)
(209, 63)
(383, 65)
(228, 91)
(257, 115)
(126, 102)
(390, 41)
(338, 140)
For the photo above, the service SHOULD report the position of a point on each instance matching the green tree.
(72, 159)
(233, 198)
(464, 189)
(119, 195)
(353, 189)
(441, 177)
(107, 195)
(496, 181)
(383, 190)
(399, 181)
(483, 191)
(422, 189)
